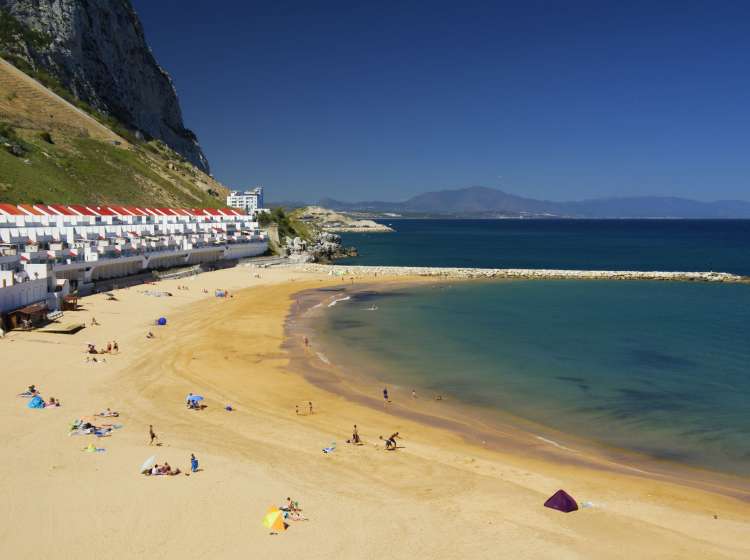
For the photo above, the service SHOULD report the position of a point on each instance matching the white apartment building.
(250, 201)
(46, 250)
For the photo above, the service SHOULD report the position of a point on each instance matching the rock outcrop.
(98, 51)
(326, 247)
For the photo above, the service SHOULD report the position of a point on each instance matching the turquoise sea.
(654, 367)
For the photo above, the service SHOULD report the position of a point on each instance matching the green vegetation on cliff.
(79, 170)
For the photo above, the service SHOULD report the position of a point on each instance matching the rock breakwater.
(524, 273)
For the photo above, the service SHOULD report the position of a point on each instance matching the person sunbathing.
(286, 506)
(30, 392)
(52, 403)
(167, 470)
(109, 413)
(292, 510)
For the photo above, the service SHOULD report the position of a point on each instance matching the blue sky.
(383, 100)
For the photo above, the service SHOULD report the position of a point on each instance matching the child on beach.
(152, 435)
(355, 436)
(193, 463)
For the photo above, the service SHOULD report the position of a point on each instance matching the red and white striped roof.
(10, 210)
(112, 210)
(30, 210)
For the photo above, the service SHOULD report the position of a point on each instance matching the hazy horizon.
(385, 101)
(507, 191)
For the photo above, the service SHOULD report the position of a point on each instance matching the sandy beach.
(436, 497)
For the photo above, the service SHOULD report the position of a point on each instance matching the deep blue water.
(686, 245)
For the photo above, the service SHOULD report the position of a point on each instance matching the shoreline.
(521, 273)
(505, 431)
(437, 496)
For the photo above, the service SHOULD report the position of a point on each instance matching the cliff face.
(97, 50)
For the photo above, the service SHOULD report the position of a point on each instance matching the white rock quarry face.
(98, 50)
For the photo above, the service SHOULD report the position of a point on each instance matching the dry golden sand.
(438, 497)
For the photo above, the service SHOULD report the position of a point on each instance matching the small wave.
(553, 442)
(335, 301)
(322, 358)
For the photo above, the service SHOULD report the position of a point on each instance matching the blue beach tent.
(161, 321)
(36, 402)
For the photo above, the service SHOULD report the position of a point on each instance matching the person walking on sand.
(355, 435)
(193, 463)
(152, 435)
(413, 394)
(115, 347)
(310, 404)
(385, 395)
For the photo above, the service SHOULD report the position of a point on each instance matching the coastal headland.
(437, 496)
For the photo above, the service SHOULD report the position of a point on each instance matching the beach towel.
(330, 449)
(36, 402)
(561, 501)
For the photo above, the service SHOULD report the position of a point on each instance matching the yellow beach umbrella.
(274, 520)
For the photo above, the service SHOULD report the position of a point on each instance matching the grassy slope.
(86, 170)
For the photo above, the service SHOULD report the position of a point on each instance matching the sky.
(382, 100)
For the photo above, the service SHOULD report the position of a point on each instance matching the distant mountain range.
(493, 203)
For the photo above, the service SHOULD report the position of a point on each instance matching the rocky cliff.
(98, 51)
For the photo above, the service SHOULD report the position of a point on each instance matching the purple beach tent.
(561, 501)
